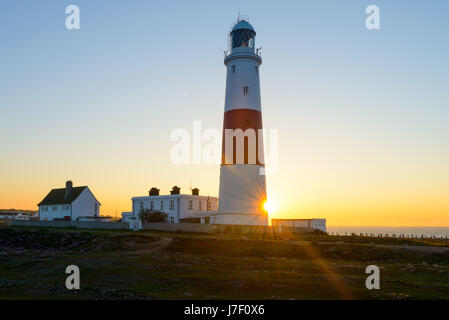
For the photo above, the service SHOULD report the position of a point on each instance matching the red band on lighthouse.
(241, 137)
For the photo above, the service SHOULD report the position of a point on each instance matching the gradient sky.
(362, 115)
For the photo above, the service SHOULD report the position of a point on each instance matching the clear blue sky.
(97, 105)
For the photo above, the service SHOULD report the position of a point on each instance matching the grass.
(163, 265)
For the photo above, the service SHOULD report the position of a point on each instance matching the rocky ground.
(154, 265)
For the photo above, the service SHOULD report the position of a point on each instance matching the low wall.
(73, 224)
(219, 228)
(184, 227)
(169, 227)
(48, 224)
(102, 225)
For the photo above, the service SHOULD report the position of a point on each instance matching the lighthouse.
(242, 193)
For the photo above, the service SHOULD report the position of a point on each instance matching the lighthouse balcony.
(243, 53)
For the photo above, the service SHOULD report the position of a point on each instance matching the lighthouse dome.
(243, 35)
(242, 24)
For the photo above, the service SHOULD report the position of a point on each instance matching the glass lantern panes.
(243, 38)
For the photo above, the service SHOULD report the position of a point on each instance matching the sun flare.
(269, 206)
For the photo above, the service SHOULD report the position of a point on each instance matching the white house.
(179, 207)
(126, 215)
(318, 224)
(13, 214)
(70, 203)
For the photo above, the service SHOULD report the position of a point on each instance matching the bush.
(147, 215)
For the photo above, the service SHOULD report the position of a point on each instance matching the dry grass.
(160, 265)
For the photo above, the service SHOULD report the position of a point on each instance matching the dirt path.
(155, 246)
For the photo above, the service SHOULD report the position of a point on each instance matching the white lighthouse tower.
(242, 192)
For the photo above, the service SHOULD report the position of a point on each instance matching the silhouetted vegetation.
(148, 215)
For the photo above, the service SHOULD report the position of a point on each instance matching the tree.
(147, 215)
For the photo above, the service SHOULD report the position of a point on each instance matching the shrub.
(147, 215)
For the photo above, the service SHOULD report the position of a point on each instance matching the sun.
(269, 206)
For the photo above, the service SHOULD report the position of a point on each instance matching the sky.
(362, 114)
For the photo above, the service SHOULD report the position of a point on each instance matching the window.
(199, 205)
(151, 205)
(257, 69)
(55, 208)
(245, 90)
(233, 68)
(190, 205)
(172, 220)
(162, 205)
(141, 205)
(172, 204)
(209, 206)
(243, 38)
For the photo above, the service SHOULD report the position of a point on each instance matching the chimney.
(68, 188)
(154, 191)
(195, 192)
(175, 190)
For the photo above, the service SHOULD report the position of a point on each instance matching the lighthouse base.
(242, 190)
(241, 219)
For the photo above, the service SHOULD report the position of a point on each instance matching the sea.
(418, 231)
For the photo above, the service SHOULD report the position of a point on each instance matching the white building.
(242, 180)
(318, 224)
(126, 216)
(179, 207)
(13, 214)
(70, 203)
